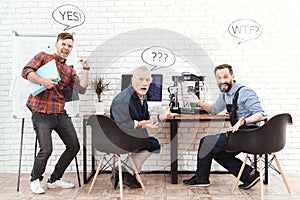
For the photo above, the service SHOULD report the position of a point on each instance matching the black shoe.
(115, 179)
(130, 180)
(250, 181)
(197, 181)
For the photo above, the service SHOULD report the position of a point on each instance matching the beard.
(225, 89)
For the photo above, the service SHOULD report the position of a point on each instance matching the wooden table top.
(184, 117)
(187, 117)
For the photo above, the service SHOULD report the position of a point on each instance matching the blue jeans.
(43, 125)
(214, 147)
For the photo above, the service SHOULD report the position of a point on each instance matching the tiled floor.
(158, 186)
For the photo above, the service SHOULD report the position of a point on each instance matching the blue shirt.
(247, 102)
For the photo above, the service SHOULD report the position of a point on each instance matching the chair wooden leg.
(120, 176)
(282, 174)
(240, 174)
(137, 175)
(261, 177)
(96, 174)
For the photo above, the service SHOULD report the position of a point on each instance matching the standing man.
(129, 109)
(48, 112)
(245, 112)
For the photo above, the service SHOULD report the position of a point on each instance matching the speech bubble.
(158, 57)
(68, 15)
(245, 29)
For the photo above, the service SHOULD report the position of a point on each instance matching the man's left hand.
(84, 62)
(237, 125)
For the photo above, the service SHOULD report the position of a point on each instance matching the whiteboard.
(25, 47)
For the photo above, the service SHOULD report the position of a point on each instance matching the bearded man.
(245, 112)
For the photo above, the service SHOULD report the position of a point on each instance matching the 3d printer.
(183, 85)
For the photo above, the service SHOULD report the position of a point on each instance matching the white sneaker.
(60, 184)
(35, 187)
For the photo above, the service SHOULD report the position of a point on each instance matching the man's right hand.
(147, 124)
(49, 83)
(190, 98)
(143, 123)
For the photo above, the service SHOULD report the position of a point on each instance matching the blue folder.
(49, 70)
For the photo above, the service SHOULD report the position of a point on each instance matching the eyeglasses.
(142, 80)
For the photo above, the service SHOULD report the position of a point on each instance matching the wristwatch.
(86, 68)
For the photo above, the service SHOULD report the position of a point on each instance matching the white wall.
(115, 33)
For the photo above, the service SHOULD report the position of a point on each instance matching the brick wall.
(116, 32)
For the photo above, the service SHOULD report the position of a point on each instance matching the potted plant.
(99, 85)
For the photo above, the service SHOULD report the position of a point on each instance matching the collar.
(59, 59)
(135, 96)
(234, 88)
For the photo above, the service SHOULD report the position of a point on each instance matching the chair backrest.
(269, 138)
(108, 137)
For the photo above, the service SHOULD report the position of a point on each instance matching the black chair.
(109, 138)
(267, 139)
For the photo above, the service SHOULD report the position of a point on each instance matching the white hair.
(141, 68)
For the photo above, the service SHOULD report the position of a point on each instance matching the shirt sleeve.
(121, 114)
(248, 103)
(33, 64)
(76, 83)
(219, 105)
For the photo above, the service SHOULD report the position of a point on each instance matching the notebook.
(49, 70)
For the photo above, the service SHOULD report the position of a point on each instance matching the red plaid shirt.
(52, 100)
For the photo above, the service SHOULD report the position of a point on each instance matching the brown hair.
(224, 66)
(64, 36)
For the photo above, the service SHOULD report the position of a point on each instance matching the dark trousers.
(214, 147)
(43, 125)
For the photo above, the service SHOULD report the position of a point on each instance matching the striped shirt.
(52, 101)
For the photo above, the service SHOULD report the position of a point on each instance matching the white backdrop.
(26, 47)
